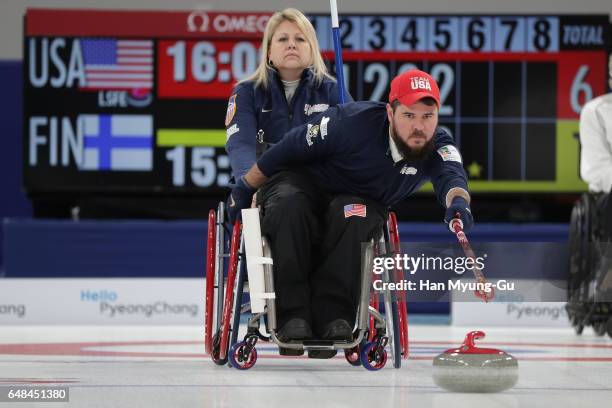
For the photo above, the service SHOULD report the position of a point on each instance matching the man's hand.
(461, 206)
(239, 198)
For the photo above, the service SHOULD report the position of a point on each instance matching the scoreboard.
(132, 102)
(512, 87)
(128, 102)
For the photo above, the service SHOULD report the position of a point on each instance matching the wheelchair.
(589, 287)
(382, 320)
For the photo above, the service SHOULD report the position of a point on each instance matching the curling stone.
(473, 369)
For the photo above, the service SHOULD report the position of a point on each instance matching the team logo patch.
(420, 83)
(449, 153)
(324, 122)
(232, 129)
(354, 210)
(310, 109)
(408, 170)
(313, 131)
(231, 110)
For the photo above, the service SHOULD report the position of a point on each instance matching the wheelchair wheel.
(392, 324)
(373, 356)
(396, 345)
(600, 328)
(392, 300)
(353, 356)
(242, 356)
(580, 261)
(403, 327)
(393, 328)
(237, 304)
(210, 281)
(215, 351)
(394, 240)
(228, 303)
(577, 324)
(375, 304)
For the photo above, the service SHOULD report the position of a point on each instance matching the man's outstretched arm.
(450, 182)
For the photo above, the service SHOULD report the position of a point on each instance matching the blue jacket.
(264, 113)
(346, 150)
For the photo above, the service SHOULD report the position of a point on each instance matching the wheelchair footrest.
(290, 352)
(324, 344)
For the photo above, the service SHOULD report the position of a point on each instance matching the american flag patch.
(358, 210)
(118, 64)
(231, 110)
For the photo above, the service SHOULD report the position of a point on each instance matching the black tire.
(238, 299)
(216, 344)
(578, 329)
(579, 302)
(397, 346)
(600, 328)
(578, 325)
(580, 253)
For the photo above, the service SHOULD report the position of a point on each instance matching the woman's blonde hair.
(260, 76)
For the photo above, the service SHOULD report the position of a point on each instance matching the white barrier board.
(147, 301)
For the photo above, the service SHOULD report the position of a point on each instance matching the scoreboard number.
(410, 33)
(443, 33)
(204, 69)
(377, 33)
(203, 170)
(378, 74)
(204, 59)
(445, 77)
(507, 29)
(203, 65)
(580, 88)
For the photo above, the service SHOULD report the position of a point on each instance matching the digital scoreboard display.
(127, 101)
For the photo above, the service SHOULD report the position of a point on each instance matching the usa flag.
(358, 210)
(118, 64)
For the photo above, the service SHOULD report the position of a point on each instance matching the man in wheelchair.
(590, 272)
(596, 151)
(325, 188)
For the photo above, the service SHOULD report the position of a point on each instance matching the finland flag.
(117, 142)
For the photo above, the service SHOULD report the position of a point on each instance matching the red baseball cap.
(411, 86)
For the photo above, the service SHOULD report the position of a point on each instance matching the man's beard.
(409, 153)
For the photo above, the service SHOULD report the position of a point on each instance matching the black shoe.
(322, 354)
(295, 329)
(338, 329)
(283, 351)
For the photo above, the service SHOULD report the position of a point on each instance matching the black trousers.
(606, 214)
(316, 248)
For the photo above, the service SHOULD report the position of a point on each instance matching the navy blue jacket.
(346, 150)
(266, 113)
